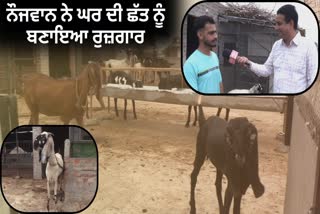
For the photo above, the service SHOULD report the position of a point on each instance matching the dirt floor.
(145, 164)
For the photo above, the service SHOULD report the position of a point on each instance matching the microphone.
(232, 56)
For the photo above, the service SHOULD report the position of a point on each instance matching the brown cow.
(64, 98)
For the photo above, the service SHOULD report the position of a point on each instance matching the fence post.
(67, 148)
(37, 171)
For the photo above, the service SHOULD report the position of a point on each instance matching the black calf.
(233, 149)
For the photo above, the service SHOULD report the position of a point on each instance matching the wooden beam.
(188, 97)
(142, 69)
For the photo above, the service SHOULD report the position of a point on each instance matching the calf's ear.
(252, 133)
(228, 136)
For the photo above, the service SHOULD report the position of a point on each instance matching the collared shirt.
(202, 72)
(294, 67)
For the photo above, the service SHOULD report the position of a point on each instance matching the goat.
(96, 91)
(256, 89)
(150, 77)
(168, 81)
(64, 98)
(232, 147)
(130, 60)
(122, 78)
(55, 164)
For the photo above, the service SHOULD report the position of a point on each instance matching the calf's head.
(241, 136)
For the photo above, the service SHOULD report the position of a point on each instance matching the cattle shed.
(251, 37)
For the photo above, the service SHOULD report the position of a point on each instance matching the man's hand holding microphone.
(234, 58)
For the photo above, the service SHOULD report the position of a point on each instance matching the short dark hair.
(290, 13)
(201, 21)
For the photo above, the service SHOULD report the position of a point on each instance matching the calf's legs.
(195, 115)
(134, 109)
(236, 204)
(219, 189)
(227, 113)
(189, 115)
(116, 106)
(125, 108)
(227, 199)
(198, 162)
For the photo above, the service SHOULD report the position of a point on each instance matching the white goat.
(114, 63)
(256, 89)
(55, 164)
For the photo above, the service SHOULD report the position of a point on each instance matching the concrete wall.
(303, 166)
(303, 182)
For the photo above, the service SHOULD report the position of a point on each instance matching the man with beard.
(293, 59)
(201, 69)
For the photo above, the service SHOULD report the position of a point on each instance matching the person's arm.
(312, 64)
(263, 70)
(190, 75)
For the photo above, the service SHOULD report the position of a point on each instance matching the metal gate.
(16, 154)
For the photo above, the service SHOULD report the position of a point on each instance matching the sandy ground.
(145, 164)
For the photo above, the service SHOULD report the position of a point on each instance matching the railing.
(188, 97)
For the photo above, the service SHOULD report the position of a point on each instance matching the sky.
(306, 18)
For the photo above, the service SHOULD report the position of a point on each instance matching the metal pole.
(17, 144)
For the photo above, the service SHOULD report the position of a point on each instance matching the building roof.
(259, 22)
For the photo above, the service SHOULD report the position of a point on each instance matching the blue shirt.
(202, 72)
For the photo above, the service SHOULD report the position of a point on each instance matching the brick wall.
(80, 182)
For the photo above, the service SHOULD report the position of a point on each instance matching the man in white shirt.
(293, 59)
